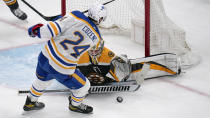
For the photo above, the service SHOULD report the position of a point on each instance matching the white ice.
(185, 96)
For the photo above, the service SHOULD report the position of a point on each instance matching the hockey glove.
(121, 67)
(122, 58)
(35, 30)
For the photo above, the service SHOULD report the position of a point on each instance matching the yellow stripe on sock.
(10, 2)
(76, 99)
(35, 92)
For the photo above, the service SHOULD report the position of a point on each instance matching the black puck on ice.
(119, 99)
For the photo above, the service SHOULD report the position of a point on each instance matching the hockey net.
(145, 21)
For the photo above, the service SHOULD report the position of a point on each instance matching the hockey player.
(102, 66)
(14, 8)
(71, 36)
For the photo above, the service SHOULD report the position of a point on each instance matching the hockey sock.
(37, 89)
(12, 4)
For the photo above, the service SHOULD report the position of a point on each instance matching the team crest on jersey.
(111, 54)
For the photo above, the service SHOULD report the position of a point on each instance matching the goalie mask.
(95, 52)
(97, 13)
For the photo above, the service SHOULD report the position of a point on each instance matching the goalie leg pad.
(165, 64)
(141, 75)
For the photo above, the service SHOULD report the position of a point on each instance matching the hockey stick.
(50, 18)
(128, 86)
(46, 91)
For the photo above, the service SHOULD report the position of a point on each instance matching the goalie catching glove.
(120, 68)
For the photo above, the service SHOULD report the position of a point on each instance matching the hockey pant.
(76, 82)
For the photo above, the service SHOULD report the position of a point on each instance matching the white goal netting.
(127, 16)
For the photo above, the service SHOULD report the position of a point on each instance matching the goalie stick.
(50, 18)
(127, 86)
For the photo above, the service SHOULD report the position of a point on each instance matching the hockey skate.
(82, 108)
(29, 105)
(19, 14)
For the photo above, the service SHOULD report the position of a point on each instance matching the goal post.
(147, 28)
(63, 7)
(145, 21)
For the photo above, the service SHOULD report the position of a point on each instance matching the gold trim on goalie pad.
(156, 67)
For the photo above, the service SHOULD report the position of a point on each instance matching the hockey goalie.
(102, 66)
(109, 73)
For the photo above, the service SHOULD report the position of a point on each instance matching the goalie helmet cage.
(159, 33)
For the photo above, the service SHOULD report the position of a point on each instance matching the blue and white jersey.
(71, 36)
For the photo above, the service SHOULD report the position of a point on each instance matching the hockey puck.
(119, 99)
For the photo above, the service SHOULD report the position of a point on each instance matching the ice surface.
(186, 96)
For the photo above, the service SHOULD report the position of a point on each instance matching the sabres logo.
(111, 54)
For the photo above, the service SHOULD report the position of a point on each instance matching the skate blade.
(29, 112)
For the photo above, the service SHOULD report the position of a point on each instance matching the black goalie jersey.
(96, 73)
(104, 72)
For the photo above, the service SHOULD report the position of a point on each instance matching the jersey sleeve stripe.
(56, 62)
(54, 28)
(79, 79)
(50, 30)
(56, 50)
(58, 26)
